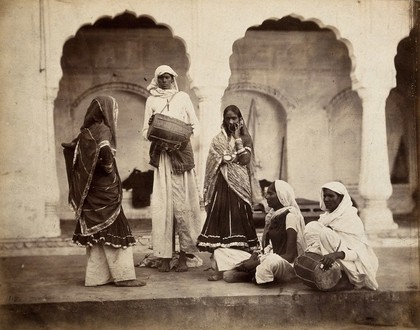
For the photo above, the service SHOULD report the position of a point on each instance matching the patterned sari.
(228, 198)
(95, 185)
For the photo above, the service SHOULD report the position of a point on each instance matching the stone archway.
(345, 132)
(302, 66)
(400, 110)
(264, 109)
(116, 56)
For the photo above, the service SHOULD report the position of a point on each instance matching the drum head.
(327, 279)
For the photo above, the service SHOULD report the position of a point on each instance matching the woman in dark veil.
(96, 196)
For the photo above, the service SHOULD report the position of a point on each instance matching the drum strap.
(167, 103)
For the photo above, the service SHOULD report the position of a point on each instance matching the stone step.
(406, 235)
(47, 292)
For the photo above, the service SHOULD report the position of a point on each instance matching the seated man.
(339, 235)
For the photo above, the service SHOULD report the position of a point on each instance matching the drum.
(170, 133)
(308, 268)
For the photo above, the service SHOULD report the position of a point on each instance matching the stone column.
(375, 183)
(210, 120)
(372, 52)
(51, 218)
(50, 74)
(29, 179)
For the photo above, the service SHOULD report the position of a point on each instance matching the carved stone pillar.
(375, 183)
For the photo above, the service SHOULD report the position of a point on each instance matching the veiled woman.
(339, 235)
(228, 192)
(96, 195)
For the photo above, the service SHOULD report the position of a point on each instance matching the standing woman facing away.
(96, 196)
(229, 232)
(175, 200)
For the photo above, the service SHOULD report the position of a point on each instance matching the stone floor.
(406, 235)
(47, 292)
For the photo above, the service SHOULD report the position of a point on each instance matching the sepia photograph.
(209, 164)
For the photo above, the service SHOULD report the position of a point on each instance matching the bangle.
(239, 144)
(240, 151)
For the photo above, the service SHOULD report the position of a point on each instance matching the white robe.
(343, 230)
(175, 196)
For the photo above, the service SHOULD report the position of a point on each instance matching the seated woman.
(339, 235)
(282, 240)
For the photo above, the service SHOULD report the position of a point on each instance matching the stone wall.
(117, 58)
(35, 35)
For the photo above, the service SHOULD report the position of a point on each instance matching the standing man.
(175, 200)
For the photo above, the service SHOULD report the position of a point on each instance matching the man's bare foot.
(216, 276)
(165, 266)
(130, 283)
(182, 262)
(234, 276)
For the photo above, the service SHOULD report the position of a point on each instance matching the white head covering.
(348, 225)
(153, 87)
(344, 210)
(286, 196)
(339, 188)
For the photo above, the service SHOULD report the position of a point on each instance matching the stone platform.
(42, 288)
(47, 292)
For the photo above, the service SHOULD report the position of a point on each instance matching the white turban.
(153, 87)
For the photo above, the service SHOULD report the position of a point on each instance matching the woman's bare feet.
(130, 283)
(165, 265)
(182, 262)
